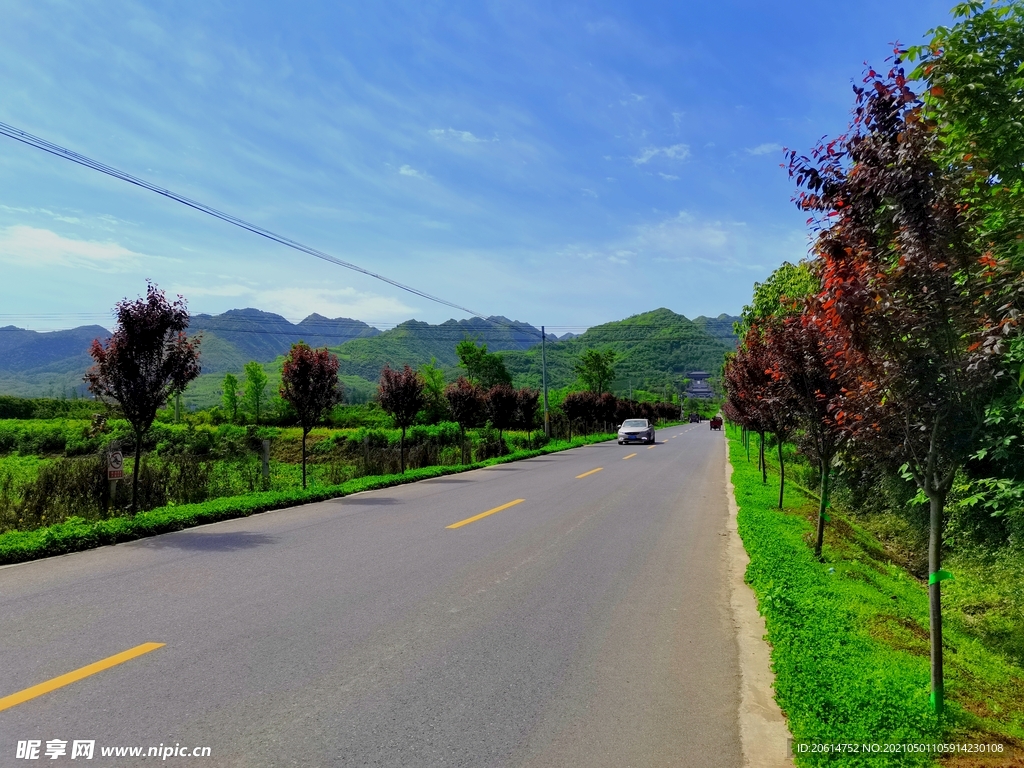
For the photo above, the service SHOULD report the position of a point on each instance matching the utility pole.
(544, 381)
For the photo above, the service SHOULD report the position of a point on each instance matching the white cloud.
(408, 170)
(668, 176)
(33, 247)
(764, 149)
(675, 152)
(727, 246)
(589, 192)
(464, 136)
(298, 303)
(684, 237)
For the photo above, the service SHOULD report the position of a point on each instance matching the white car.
(636, 431)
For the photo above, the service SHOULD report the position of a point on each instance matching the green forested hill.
(415, 343)
(720, 328)
(654, 349)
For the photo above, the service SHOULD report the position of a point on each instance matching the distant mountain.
(415, 343)
(653, 349)
(720, 328)
(24, 351)
(232, 339)
(46, 364)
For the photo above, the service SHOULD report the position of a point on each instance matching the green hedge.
(77, 534)
(835, 682)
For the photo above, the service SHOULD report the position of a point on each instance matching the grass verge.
(850, 642)
(76, 534)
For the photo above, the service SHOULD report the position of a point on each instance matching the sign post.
(115, 467)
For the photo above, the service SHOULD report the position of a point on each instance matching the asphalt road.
(586, 625)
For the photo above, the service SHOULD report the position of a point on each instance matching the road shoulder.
(763, 732)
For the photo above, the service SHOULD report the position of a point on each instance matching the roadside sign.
(115, 465)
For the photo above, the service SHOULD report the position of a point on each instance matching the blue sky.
(560, 164)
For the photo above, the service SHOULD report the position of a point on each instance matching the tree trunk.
(782, 472)
(760, 458)
(135, 472)
(822, 506)
(401, 451)
(304, 432)
(936, 501)
(462, 443)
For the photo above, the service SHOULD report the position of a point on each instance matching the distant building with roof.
(699, 387)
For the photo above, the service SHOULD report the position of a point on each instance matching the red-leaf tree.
(465, 401)
(526, 410)
(913, 298)
(579, 408)
(401, 396)
(801, 351)
(626, 409)
(761, 395)
(501, 405)
(147, 360)
(607, 405)
(309, 381)
(745, 383)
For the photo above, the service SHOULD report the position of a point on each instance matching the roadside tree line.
(899, 344)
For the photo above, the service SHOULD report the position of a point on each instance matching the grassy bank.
(77, 534)
(850, 641)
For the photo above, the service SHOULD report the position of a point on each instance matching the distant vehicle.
(716, 423)
(695, 418)
(636, 431)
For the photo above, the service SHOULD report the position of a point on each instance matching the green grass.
(77, 534)
(849, 636)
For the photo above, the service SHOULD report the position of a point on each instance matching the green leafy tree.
(309, 382)
(147, 360)
(230, 395)
(255, 388)
(401, 396)
(435, 406)
(483, 368)
(596, 369)
(974, 78)
(781, 295)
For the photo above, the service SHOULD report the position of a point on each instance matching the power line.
(55, 149)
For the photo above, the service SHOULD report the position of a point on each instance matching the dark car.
(636, 431)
